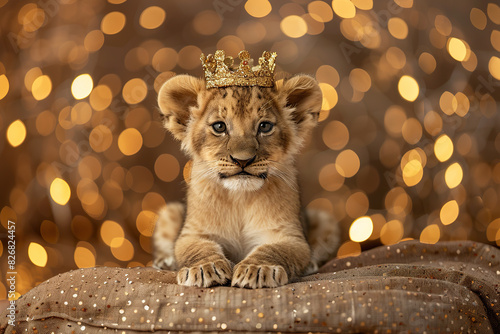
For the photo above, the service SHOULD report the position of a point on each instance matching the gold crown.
(219, 71)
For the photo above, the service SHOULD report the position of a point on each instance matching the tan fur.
(244, 228)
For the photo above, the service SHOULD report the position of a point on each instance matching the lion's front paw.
(205, 275)
(259, 276)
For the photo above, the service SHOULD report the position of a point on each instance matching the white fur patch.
(242, 183)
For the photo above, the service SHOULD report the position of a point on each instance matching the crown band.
(219, 70)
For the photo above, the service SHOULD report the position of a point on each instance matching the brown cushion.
(447, 287)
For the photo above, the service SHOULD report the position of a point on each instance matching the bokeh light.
(408, 88)
(443, 148)
(16, 133)
(130, 141)
(113, 22)
(41, 87)
(449, 212)
(406, 147)
(294, 26)
(4, 86)
(258, 8)
(344, 8)
(152, 17)
(37, 254)
(60, 191)
(361, 229)
(82, 86)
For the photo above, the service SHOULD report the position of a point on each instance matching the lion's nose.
(242, 162)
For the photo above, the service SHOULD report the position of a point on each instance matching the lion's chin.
(242, 183)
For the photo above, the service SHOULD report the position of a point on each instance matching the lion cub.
(242, 221)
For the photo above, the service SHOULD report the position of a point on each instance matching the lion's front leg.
(272, 265)
(202, 262)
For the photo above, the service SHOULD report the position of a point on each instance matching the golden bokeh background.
(408, 145)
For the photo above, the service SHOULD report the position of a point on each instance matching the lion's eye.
(265, 127)
(219, 127)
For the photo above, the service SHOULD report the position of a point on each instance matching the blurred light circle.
(81, 113)
(360, 80)
(494, 67)
(443, 148)
(408, 88)
(231, 44)
(330, 96)
(100, 138)
(404, 3)
(320, 11)
(207, 22)
(349, 248)
(448, 103)
(251, 32)
(412, 131)
(258, 8)
(394, 119)
(453, 175)
(328, 74)
(122, 249)
(130, 141)
(45, 122)
(164, 59)
(293, 26)
(111, 230)
(443, 25)
(392, 232)
(37, 254)
(478, 18)
(189, 57)
(456, 48)
(49, 232)
(134, 91)
(167, 167)
(145, 222)
(363, 4)
(397, 28)
(335, 135)
(493, 11)
(60, 191)
(101, 97)
(4, 86)
(89, 167)
(361, 229)
(427, 62)
(87, 191)
(41, 87)
(396, 57)
(413, 173)
(82, 86)
(329, 178)
(16, 133)
(430, 234)
(449, 212)
(112, 23)
(357, 204)
(93, 41)
(84, 255)
(139, 179)
(344, 8)
(433, 123)
(347, 163)
(152, 17)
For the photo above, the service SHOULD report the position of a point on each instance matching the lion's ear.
(176, 98)
(302, 96)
